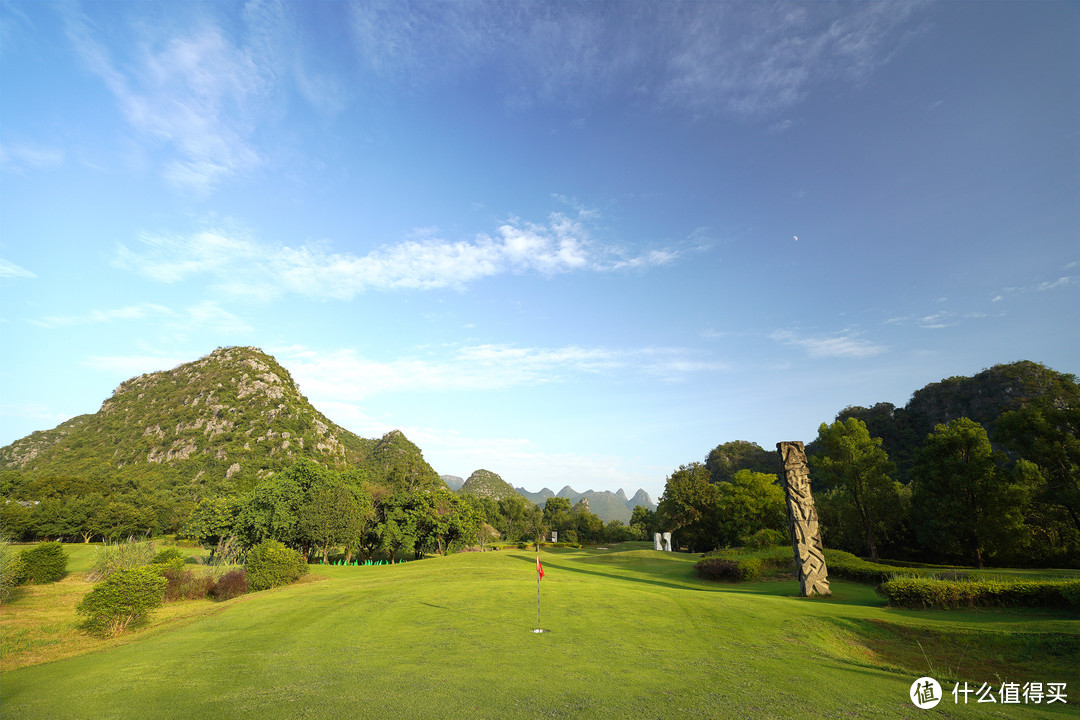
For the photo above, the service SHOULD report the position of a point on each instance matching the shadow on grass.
(850, 594)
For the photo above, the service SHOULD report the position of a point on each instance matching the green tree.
(644, 520)
(210, 522)
(962, 502)
(398, 529)
(855, 464)
(752, 501)
(335, 514)
(689, 508)
(1048, 434)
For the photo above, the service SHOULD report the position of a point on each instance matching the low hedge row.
(44, 563)
(846, 566)
(933, 593)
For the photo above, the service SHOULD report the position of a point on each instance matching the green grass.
(633, 634)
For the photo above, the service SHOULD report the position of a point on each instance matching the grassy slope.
(632, 635)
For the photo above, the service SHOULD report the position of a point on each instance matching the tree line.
(967, 496)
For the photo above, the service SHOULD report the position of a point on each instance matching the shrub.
(270, 564)
(846, 566)
(932, 593)
(729, 569)
(184, 584)
(232, 584)
(169, 556)
(124, 599)
(11, 569)
(120, 556)
(44, 563)
(765, 538)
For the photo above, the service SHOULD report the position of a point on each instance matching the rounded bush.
(44, 563)
(124, 599)
(766, 538)
(11, 570)
(232, 584)
(270, 564)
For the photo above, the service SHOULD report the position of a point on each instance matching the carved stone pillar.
(802, 518)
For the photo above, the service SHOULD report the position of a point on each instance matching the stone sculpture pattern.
(656, 542)
(667, 541)
(802, 519)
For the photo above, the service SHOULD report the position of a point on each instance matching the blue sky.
(570, 243)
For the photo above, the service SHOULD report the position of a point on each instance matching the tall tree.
(752, 501)
(689, 508)
(852, 462)
(962, 500)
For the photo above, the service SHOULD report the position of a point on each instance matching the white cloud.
(244, 266)
(10, 269)
(127, 366)
(1054, 284)
(846, 344)
(348, 376)
(203, 316)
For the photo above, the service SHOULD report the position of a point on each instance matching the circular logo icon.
(925, 693)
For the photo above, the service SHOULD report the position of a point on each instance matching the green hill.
(484, 483)
(212, 426)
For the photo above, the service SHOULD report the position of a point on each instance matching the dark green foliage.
(854, 464)
(168, 556)
(740, 570)
(44, 563)
(232, 584)
(932, 593)
(963, 503)
(124, 599)
(271, 564)
(723, 461)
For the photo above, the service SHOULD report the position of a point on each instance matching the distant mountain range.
(605, 504)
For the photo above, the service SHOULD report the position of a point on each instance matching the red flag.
(539, 567)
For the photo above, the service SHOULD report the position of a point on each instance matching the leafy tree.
(274, 508)
(1048, 434)
(210, 521)
(962, 502)
(752, 501)
(689, 507)
(399, 530)
(335, 515)
(644, 520)
(853, 463)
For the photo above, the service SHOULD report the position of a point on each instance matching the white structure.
(656, 542)
(667, 542)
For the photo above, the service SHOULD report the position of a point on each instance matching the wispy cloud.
(846, 344)
(195, 93)
(349, 376)
(202, 316)
(244, 266)
(9, 269)
(746, 58)
(20, 157)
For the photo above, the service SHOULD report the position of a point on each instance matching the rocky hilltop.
(219, 423)
(484, 483)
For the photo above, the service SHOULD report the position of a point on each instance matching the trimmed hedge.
(270, 564)
(729, 569)
(44, 563)
(932, 593)
(846, 566)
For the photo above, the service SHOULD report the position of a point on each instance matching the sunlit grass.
(632, 633)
